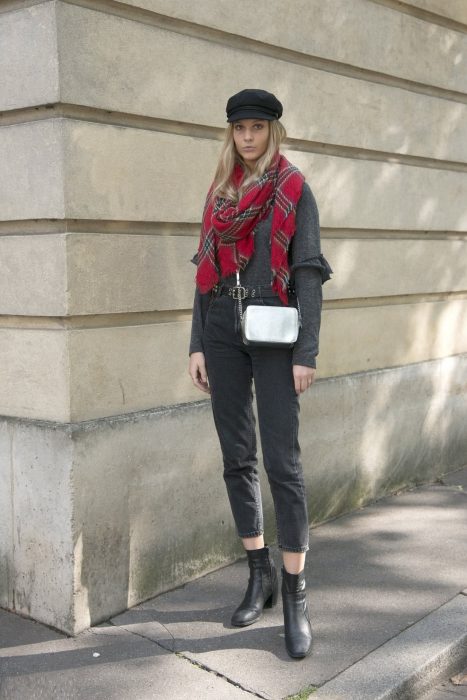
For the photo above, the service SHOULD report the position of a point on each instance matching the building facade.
(111, 118)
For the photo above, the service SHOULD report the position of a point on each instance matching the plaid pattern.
(226, 241)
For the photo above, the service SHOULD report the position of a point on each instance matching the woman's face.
(251, 138)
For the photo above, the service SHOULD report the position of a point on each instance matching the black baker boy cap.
(251, 104)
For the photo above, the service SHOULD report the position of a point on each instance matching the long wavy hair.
(223, 186)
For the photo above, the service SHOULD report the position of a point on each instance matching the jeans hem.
(255, 533)
(305, 548)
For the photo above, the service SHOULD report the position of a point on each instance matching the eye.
(259, 126)
(238, 127)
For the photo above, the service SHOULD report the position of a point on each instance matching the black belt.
(262, 290)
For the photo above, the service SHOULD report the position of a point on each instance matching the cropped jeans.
(231, 367)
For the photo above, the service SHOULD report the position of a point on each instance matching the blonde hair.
(223, 186)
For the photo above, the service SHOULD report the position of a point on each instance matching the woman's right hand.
(197, 371)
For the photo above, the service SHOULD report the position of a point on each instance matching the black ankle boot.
(297, 626)
(262, 588)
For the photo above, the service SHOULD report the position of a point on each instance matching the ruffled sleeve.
(317, 261)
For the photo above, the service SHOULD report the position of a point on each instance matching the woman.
(260, 218)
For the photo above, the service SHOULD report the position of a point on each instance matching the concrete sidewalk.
(387, 591)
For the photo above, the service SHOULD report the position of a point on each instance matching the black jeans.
(231, 367)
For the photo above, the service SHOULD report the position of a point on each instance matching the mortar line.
(126, 319)
(71, 227)
(173, 229)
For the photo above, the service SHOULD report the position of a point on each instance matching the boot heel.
(263, 575)
(272, 600)
(297, 627)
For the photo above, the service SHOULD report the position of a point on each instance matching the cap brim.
(250, 114)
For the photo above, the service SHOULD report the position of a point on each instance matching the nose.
(248, 135)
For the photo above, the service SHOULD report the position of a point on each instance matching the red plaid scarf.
(226, 233)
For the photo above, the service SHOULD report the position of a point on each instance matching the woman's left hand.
(303, 377)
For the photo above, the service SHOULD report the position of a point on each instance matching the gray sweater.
(309, 270)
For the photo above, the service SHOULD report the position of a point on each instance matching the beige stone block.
(135, 174)
(29, 58)
(31, 170)
(139, 176)
(370, 35)
(452, 9)
(150, 82)
(353, 193)
(41, 506)
(371, 267)
(34, 373)
(33, 275)
(157, 481)
(362, 338)
(114, 274)
(103, 273)
(109, 273)
(116, 370)
(68, 274)
(125, 174)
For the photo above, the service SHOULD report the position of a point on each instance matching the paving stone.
(40, 664)
(16, 630)
(370, 575)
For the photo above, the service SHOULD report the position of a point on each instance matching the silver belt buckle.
(239, 292)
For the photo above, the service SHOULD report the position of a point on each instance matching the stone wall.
(110, 125)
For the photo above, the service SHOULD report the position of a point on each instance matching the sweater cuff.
(302, 357)
(195, 347)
